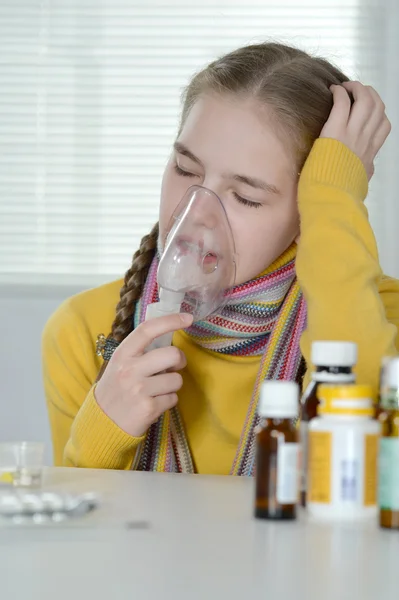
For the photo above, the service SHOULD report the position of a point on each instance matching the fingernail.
(186, 319)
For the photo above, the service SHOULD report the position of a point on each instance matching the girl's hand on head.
(135, 389)
(362, 126)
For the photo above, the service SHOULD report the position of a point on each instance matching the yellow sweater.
(348, 298)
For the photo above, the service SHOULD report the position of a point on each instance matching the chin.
(250, 275)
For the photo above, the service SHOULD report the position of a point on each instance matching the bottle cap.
(279, 399)
(334, 354)
(390, 368)
(351, 400)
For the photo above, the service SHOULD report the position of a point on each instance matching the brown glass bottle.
(388, 484)
(334, 362)
(276, 493)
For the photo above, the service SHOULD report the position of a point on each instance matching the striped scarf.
(265, 316)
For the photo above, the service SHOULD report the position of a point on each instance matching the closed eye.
(183, 173)
(246, 202)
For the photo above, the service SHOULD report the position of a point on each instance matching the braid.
(132, 289)
(133, 285)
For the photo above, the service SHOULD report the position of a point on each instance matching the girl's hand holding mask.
(135, 389)
(362, 126)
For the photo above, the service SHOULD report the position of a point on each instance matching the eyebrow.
(182, 149)
(251, 181)
(256, 183)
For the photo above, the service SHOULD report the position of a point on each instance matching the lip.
(210, 262)
(188, 244)
(206, 261)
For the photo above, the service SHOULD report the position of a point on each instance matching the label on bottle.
(287, 473)
(390, 399)
(319, 490)
(349, 471)
(388, 484)
(303, 436)
(370, 469)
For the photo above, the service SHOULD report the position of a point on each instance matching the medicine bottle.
(333, 362)
(277, 458)
(388, 478)
(343, 447)
(383, 383)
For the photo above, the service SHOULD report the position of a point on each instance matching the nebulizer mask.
(198, 263)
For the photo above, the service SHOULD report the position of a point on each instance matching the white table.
(201, 543)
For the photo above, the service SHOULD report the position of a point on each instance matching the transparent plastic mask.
(198, 265)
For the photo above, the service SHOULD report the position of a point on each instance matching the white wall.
(23, 313)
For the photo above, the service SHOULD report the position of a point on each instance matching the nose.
(206, 207)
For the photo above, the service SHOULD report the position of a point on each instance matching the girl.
(252, 121)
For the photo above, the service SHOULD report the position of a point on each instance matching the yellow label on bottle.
(7, 477)
(370, 469)
(320, 467)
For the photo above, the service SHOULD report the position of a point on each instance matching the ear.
(297, 239)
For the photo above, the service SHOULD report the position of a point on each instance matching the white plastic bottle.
(333, 363)
(343, 449)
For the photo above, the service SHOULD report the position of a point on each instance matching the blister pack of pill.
(20, 507)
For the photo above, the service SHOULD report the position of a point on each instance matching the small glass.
(21, 463)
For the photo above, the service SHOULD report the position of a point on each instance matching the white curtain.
(89, 104)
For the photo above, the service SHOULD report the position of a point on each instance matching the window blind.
(89, 105)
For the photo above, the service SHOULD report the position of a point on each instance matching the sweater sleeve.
(338, 269)
(83, 435)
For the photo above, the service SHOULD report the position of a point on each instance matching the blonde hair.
(292, 83)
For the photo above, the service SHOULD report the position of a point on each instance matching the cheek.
(172, 191)
(262, 236)
(253, 227)
(253, 236)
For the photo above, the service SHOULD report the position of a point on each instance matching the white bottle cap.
(390, 373)
(279, 399)
(334, 354)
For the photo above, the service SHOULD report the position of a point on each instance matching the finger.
(164, 403)
(378, 115)
(363, 107)
(357, 90)
(381, 135)
(137, 341)
(166, 383)
(160, 360)
(340, 112)
(377, 99)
